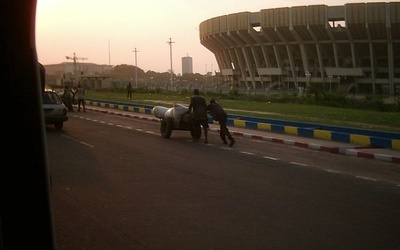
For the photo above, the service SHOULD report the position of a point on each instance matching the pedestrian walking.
(219, 115)
(80, 93)
(199, 106)
(129, 90)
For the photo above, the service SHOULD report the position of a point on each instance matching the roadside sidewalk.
(384, 154)
(322, 145)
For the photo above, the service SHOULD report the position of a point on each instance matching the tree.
(126, 72)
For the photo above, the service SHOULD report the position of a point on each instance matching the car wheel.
(196, 132)
(166, 128)
(59, 125)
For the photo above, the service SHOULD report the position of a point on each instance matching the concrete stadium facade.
(352, 47)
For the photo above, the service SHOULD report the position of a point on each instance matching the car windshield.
(51, 98)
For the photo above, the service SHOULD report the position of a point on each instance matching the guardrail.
(341, 134)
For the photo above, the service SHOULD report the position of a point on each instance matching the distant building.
(187, 65)
(68, 73)
(77, 68)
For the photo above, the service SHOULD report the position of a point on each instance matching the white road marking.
(247, 153)
(365, 178)
(298, 164)
(270, 158)
(332, 171)
(81, 142)
(209, 144)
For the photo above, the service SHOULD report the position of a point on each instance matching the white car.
(55, 112)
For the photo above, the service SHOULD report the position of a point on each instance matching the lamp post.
(338, 79)
(136, 67)
(206, 74)
(170, 56)
(308, 79)
(330, 82)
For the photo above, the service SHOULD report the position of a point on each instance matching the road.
(116, 184)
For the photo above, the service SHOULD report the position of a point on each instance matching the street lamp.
(136, 67)
(330, 82)
(212, 69)
(170, 56)
(308, 79)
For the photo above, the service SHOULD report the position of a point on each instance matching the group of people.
(200, 110)
(69, 96)
(197, 104)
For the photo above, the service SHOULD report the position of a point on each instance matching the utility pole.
(170, 55)
(109, 54)
(206, 74)
(212, 69)
(136, 67)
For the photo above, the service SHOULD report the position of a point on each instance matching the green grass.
(373, 120)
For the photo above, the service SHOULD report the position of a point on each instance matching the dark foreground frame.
(25, 210)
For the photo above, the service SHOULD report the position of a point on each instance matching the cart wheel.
(196, 131)
(166, 128)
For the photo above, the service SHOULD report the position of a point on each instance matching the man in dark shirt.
(199, 106)
(129, 90)
(219, 114)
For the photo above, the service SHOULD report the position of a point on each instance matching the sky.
(109, 31)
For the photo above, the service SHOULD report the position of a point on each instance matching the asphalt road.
(116, 184)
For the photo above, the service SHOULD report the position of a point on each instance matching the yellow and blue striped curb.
(333, 133)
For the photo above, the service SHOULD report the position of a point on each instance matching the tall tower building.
(187, 65)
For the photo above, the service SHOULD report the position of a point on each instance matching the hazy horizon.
(107, 32)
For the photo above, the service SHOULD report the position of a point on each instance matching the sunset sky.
(107, 32)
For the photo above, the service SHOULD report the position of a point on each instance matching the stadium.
(352, 48)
